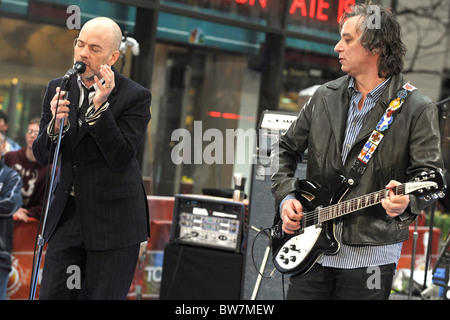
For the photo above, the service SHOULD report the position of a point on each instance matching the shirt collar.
(81, 84)
(375, 93)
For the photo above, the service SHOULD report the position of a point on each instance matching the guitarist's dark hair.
(380, 32)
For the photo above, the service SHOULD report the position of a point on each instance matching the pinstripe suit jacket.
(100, 162)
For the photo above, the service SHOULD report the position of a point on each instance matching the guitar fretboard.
(346, 207)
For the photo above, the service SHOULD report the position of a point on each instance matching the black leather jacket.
(411, 146)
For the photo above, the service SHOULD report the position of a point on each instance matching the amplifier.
(277, 120)
(272, 125)
(207, 221)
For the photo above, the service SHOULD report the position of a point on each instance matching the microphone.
(78, 67)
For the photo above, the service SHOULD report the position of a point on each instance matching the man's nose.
(338, 47)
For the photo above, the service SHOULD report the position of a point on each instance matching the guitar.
(296, 254)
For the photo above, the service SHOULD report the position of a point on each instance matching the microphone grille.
(80, 66)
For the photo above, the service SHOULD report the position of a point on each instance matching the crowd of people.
(22, 188)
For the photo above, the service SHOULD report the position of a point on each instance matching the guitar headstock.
(429, 185)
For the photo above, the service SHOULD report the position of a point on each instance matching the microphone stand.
(442, 105)
(41, 240)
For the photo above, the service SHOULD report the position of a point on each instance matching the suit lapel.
(74, 97)
(78, 131)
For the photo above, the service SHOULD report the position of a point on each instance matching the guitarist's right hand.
(291, 214)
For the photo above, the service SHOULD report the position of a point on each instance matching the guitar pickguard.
(296, 249)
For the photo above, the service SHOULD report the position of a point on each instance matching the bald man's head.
(97, 45)
(110, 27)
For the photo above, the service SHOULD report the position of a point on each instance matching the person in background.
(10, 145)
(34, 175)
(10, 201)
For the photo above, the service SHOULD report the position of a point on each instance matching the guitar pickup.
(317, 222)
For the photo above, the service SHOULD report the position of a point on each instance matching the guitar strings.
(336, 210)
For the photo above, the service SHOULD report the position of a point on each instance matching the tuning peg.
(427, 198)
(441, 194)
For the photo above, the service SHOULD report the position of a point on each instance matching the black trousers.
(324, 283)
(71, 271)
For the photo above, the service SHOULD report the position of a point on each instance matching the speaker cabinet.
(261, 214)
(197, 273)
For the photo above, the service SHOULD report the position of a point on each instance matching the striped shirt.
(356, 118)
(92, 115)
(350, 257)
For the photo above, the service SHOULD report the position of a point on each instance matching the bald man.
(98, 214)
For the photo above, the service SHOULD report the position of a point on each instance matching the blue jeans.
(4, 277)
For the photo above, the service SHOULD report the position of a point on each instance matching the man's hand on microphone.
(104, 90)
(63, 108)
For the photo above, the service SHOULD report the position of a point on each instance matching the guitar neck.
(352, 205)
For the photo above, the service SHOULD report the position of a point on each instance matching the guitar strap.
(360, 164)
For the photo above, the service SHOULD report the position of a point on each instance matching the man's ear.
(114, 57)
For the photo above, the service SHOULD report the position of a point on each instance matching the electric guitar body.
(314, 239)
(296, 254)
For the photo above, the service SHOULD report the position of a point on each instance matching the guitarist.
(334, 126)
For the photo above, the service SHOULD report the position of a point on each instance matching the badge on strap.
(386, 120)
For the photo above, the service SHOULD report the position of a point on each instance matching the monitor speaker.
(200, 273)
(204, 259)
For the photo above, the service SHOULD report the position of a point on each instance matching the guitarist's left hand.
(394, 205)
